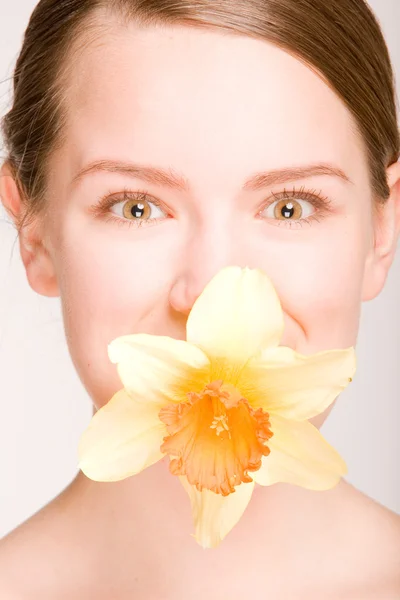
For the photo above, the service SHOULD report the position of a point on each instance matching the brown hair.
(340, 40)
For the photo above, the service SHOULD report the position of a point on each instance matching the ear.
(38, 263)
(386, 230)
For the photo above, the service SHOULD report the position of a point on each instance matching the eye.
(137, 209)
(289, 209)
(133, 209)
(296, 207)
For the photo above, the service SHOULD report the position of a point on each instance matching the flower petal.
(122, 439)
(215, 515)
(295, 386)
(159, 368)
(301, 456)
(237, 314)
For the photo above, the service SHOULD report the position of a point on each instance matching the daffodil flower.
(228, 405)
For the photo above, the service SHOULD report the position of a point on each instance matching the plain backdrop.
(44, 407)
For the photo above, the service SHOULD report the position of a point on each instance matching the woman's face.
(156, 109)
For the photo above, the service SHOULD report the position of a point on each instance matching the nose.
(207, 253)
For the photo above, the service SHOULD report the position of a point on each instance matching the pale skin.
(216, 109)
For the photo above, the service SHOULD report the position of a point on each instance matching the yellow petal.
(215, 515)
(122, 439)
(237, 314)
(301, 456)
(295, 386)
(158, 368)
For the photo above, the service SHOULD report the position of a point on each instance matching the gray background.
(44, 408)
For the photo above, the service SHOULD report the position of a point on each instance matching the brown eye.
(289, 209)
(138, 210)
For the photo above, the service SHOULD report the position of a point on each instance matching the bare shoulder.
(37, 556)
(369, 536)
(20, 553)
(373, 521)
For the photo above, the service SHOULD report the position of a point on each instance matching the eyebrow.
(167, 177)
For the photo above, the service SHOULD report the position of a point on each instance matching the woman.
(204, 95)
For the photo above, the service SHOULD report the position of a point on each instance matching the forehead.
(189, 98)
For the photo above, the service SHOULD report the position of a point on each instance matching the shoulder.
(41, 558)
(16, 558)
(370, 520)
(23, 553)
(367, 538)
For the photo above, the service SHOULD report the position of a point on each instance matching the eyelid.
(110, 199)
(313, 196)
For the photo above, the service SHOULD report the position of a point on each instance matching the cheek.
(109, 286)
(320, 286)
(321, 292)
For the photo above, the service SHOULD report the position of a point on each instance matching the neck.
(153, 510)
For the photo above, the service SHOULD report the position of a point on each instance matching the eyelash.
(316, 198)
(320, 202)
(108, 201)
